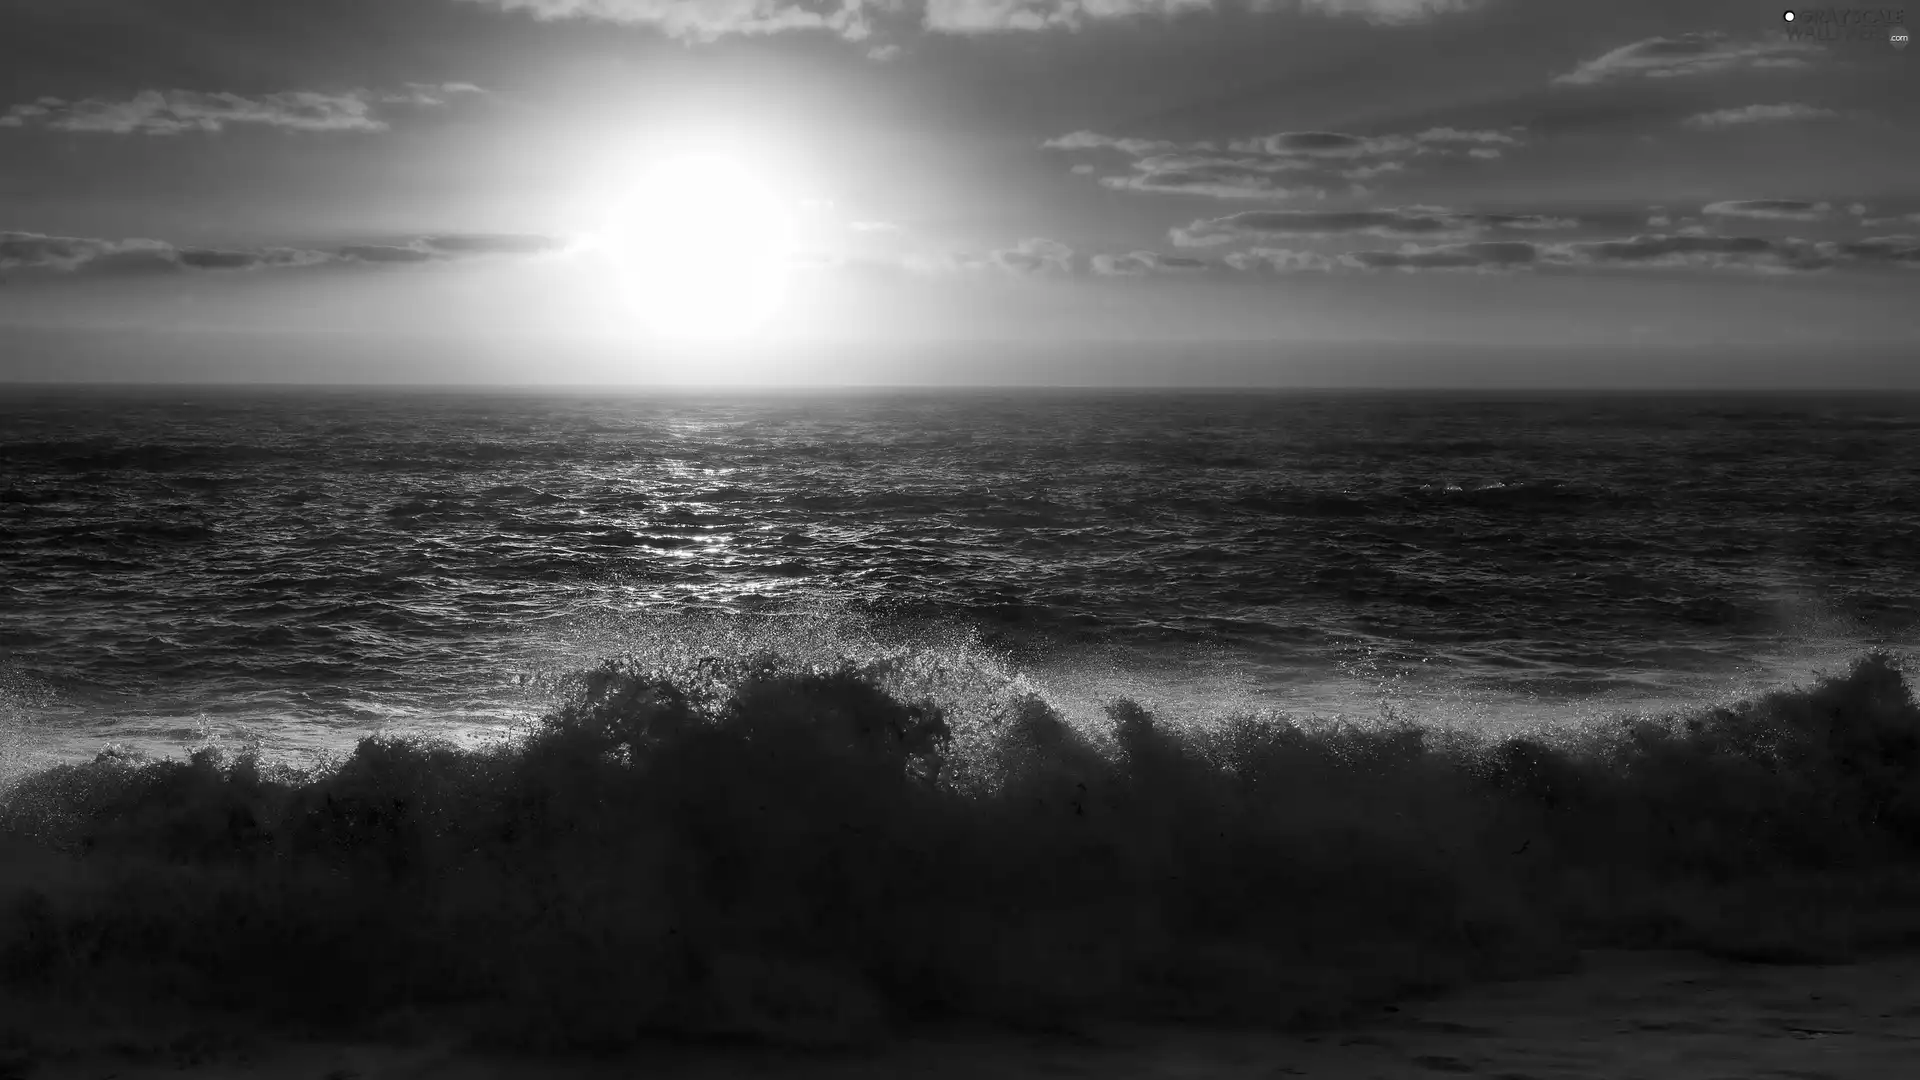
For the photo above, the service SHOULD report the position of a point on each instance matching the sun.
(704, 246)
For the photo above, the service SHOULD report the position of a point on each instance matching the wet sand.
(1622, 1015)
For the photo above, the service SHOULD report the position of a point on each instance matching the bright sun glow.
(705, 246)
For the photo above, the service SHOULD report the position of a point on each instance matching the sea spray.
(662, 857)
(331, 565)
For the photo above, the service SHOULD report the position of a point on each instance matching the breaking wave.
(806, 848)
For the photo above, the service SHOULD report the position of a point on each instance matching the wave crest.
(805, 849)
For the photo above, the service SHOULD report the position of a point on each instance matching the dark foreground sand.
(1623, 1015)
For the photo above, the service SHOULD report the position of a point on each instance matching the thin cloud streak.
(175, 112)
(1035, 256)
(1015, 16)
(1391, 12)
(1690, 251)
(72, 254)
(1687, 56)
(1288, 165)
(1141, 263)
(1415, 221)
(1769, 209)
(709, 20)
(863, 20)
(24, 251)
(1757, 114)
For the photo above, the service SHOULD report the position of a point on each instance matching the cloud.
(1697, 250)
(384, 253)
(1219, 177)
(1904, 250)
(1267, 260)
(1320, 143)
(708, 20)
(156, 112)
(1316, 223)
(1368, 172)
(1285, 165)
(212, 259)
(173, 112)
(1417, 221)
(860, 20)
(1769, 209)
(429, 94)
(1090, 140)
(23, 251)
(35, 251)
(492, 244)
(432, 248)
(1441, 140)
(1035, 256)
(1138, 263)
(1528, 222)
(1490, 255)
(1689, 251)
(1457, 135)
(69, 254)
(1684, 56)
(1003, 16)
(1390, 12)
(18, 115)
(936, 263)
(1480, 256)
(1756, 114)
(1652, 252)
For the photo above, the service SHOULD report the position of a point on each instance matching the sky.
(1106, 192)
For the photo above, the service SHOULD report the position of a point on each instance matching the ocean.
(297, 569)
(812, 720)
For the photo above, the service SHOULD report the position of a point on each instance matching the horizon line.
(1134, 388)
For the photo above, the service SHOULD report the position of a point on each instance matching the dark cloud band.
(22, 251)
(175, 112)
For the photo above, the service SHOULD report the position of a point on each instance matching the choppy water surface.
(316, 565)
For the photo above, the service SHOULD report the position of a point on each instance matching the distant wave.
(809, 849)
(324, 561)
